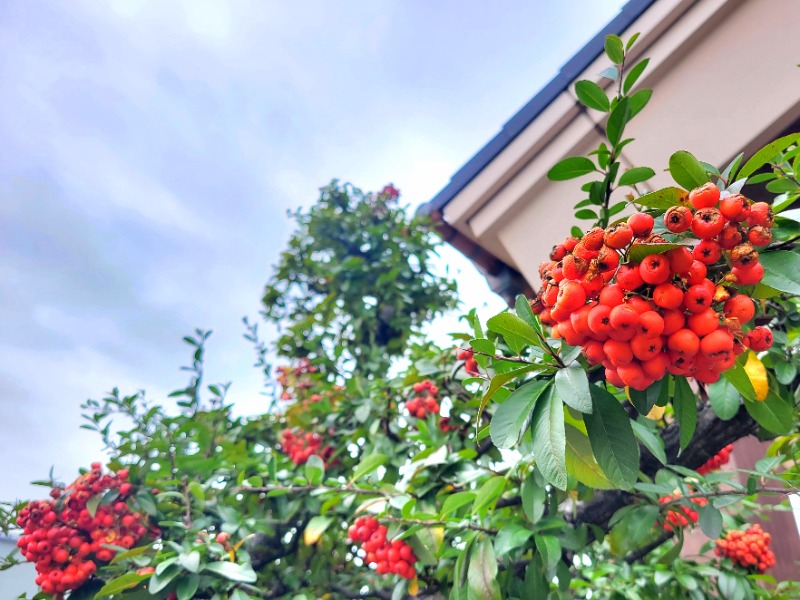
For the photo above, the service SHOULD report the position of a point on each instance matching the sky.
(149, 151)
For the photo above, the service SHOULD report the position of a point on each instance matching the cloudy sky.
(149, 151)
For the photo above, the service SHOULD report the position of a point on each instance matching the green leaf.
(773, 414)
(190, 561)
(92, 504)
(638, 101)
(633, 75)
(636, 175)
(498, 381)
(144, 500)
(534, 497)
(238, 594)
(482, 572)
(315, 528)
(549, 439)
(617, 120)
(581, 463)
(187, 587)
(785, 372)
(781, 271)
(232, 571)
(524, 312)
(611, 436)
(510, 537)
(650, 441)
(592, 95)
(586, 214)
(645, 400)
(614, 49)
(455, 501)
(512, 415)
(572, 386)
(368, 465)
(550, 549)
(765, 154)
(739, 379)
(314, 469)
(121, 583)
(570, 168)
(685, 405)
(488, 494)
(161, 579)
(710, 520)
(638, 252)
(514, 330)
(686, 170)
(661, 199)
(724, 399)
(632, 41)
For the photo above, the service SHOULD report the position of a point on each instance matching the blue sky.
(149, 151)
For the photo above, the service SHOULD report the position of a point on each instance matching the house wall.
(16, 580)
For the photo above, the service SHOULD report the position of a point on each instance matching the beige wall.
(725, 79)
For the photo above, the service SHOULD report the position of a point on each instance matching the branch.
(437, 523)
(645, 550)
(305, 489)
(718, 493)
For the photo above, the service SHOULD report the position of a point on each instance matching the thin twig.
(437, 523)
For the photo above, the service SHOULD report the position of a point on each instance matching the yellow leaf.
(655, 413)
(413, 586)
(757, 373)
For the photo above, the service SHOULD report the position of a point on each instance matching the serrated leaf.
(550, 550)
(534, 497)
(572, 386)
(592, 95)
(549, 439)
(685, 405)
(570, 168)
(686, 170)
(612, 440)
(511, 416)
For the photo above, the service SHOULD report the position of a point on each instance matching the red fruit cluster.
(470, 364)
(388, 557)
(295, 377)
(390, 191)
(301, 445)
(666, 313)
(680, 515)
(715, 462)
(425, 402)
(446, 425)
(750, 548)
(66, 541)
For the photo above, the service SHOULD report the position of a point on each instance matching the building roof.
(525, 116)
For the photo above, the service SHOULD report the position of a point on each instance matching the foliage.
(521, 472)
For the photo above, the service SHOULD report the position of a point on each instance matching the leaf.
(368, 465)
(685, 405)
(757, 374)
(650, 440)
(510, 537)
(533, 497)
(488, 494)
(232, 571)
(710, 520)
(92, 504)
(581, 463)
(238, 594)
(686, 170)
(611, 436)
(638, 101)
(737, 376)
(638, 252)
(636, 175)
(724, 398)
(524, 312)
(614, 49)
(572, 386)
(549, 439)
(161, 579)
(592, 95)
(314, 469)
(482, 572)
(773, 414)
(512, 328)
(550, 549)
(617, 120)
(145, 501)
(121, 583)
(511, 416)
(425, 543)
(190, 561)
(570, 168)
(661, 199)
(646, 399)
(763, 156)
(781, 271)
(315, 528)
(455, 501)
(633, 75)
(498, 381)
(187, 587)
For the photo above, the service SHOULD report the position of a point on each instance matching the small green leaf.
(488, 494)
(781, 271)
(686, 170)
(570, 168)
(572, 386)
(636, 175)
(611, 436)
(639, 251)
(549, 439)
(739, 379)
(638, 101)
(92, 504)
(523, 309)
(510, 537)
(368, 465)
(633, 75)
(232, 571)
(121, 583)
(650, 441)
(581, 463)
(710, 520)
(773, 413)
(315, 528)
(514, 330)
(615, 49)
(498, 381)
(724, 398)
(765, 154)
(238, 594)
(685, 405)
(617, 120)
(455, 501)
(592, 95)
(550, 549)
(187, 588)
(661, 199)
(514, 413)
(190, 561)
(534, 497)
(314, 469)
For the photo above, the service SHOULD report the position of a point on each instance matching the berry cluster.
(750, 548)
(66, 540)
(470, 364)
(295, 377)
(675, 312)
(715, 462)
(446, 425)
(680, 516)
(388, 557)
(419, 406)
(300, 446)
